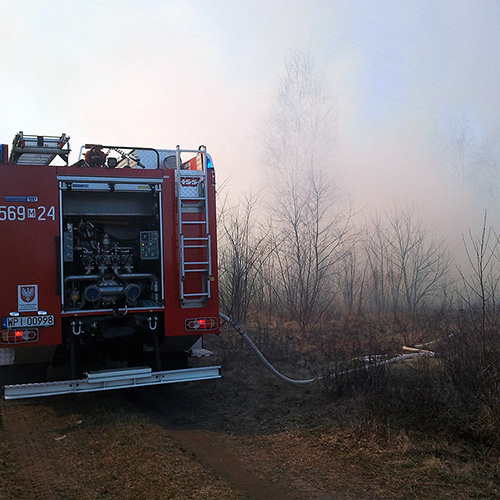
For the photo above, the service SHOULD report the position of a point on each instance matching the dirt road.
(146, 444)
(246, 436)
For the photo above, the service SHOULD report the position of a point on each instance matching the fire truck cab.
(108, 265)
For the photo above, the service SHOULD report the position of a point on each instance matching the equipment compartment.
(110, 259)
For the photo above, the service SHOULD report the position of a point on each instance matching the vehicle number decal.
(21, 213)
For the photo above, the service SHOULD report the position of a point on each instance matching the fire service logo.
(27, 298)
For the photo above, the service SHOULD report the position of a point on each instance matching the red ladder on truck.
(195, 261)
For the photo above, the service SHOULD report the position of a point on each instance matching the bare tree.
(299, 141)
(351, 278)
(300, 132)
(475, 359)
(409, 265)
(463, 148)
(472, 158)
(378, 261)
(308, 242)
(243, 249)
(480, 288)
(421, 260)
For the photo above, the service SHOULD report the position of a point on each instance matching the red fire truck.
(108, 266)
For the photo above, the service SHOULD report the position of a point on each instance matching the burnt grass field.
(425, 428)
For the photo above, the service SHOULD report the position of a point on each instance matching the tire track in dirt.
(212, 452)
(28, 450)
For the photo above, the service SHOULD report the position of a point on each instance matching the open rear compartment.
(112, 268)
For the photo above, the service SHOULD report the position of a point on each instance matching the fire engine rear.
(108, 266)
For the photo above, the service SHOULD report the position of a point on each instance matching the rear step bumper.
(105, 380)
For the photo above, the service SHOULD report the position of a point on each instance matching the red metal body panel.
(30, 231)
(175, 315)
(29, 227)
(212, 218)
(174, 323)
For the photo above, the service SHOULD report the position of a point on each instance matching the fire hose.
(270, 367)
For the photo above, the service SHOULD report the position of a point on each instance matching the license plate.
(28, 321)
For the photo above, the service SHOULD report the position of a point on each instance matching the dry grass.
(108, 451)
(400, 432)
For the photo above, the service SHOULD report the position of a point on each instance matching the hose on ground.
(261, 356)
(273, 370)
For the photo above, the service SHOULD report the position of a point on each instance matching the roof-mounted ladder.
(195, 267)
(38, 149)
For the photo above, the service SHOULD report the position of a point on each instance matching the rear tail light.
(18, 336)
(196, 324)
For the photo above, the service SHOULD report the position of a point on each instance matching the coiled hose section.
(273, 370)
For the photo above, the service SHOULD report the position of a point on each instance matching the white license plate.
(28, 321)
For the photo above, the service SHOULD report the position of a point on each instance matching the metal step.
(200, 353)
(192, 222)
(105, 380)
(202, 269)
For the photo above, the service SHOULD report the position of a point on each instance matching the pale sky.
(161, 73)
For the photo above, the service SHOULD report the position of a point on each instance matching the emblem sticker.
(27, 298)
(29, 199)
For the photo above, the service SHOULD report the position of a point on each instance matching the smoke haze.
(205, 72)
